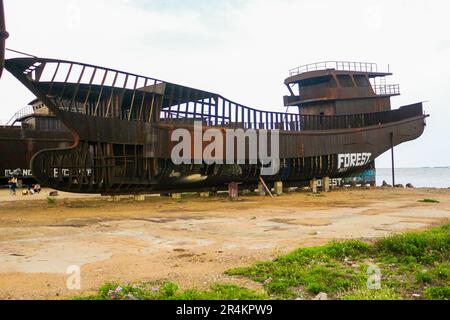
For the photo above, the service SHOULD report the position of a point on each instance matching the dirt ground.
(192, 241)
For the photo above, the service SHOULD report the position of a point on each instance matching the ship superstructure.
(30, 130)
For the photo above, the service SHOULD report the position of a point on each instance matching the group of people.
(32, 189)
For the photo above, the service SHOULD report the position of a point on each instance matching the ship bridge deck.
(325, 68)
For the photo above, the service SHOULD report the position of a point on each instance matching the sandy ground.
(191, 242)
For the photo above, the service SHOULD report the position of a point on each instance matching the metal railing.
(335, 65)
(292, 122)
(218, 111)
(28, 110)
(387, 89)
(317, 122)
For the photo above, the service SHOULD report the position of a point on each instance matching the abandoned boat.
(123, 127)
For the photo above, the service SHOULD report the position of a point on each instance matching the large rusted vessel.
(122, 126)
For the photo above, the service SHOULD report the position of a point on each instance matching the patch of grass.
(442, 271)
(168, 290)
(171, 291)
(314, 279)
(424, 277)
(341, 250)
(424, 247)
(367, 294)
(429, 201)
(348, 249)
(409, 262)
(318, 269)
(438, 293)
(51, 200)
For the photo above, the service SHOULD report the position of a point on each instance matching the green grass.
(417, 247)
(51, 200)
(429, 201)
(412, 265)
(442, 271)
(409, 263)
(367, 294)
(311, 270)
(438, 293)
(424, 277)
(171, 291)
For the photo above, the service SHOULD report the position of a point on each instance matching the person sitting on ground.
(31, 190)
(37, 188)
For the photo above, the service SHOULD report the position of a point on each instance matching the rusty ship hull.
(30, 130)
(19, 145)
(304, 156)
(122, 125)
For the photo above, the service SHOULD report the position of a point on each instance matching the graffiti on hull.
(353, 160)
(25, 173)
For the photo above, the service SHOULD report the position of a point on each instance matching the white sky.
(243, 49)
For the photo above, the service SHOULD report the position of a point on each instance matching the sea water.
(418, 177)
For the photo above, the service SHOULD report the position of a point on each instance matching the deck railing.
(335, 65)
(28, 110)
(317, 122)
(296, 122)
(388, 89)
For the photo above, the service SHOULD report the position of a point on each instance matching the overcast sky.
(243, 49)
